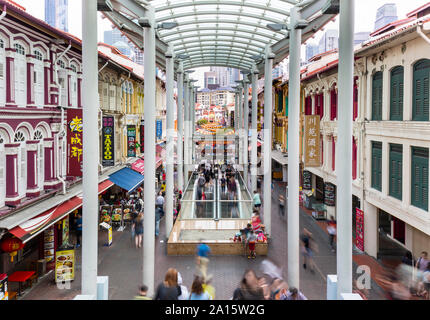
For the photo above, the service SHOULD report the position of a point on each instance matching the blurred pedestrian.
(281, 205)
(159, 202)
(251, 245)
(257, 200)
(184, 291)
(143, 290)
(278, 289)
(208, 288)
(294, 294)
(78, 230)
(331, 229)
(422, 262)
(169, 289)
(308, 247)
(137, 229)
(158, 215)
(407, 259)
(249, 288)
(202, 260)
(197, 291)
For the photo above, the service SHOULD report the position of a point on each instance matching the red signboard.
(359, 229)
(74, 142)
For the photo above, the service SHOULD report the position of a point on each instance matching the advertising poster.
(65, 265)
(131, 141)
(74, 142)
(312, 141)
(142, 136)
(110, 236)
(49, 248)
(359, 229)
(108, 142)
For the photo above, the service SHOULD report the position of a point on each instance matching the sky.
(365, 14)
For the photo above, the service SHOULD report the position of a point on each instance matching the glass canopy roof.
(211, 32)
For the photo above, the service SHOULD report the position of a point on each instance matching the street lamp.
(277, 26)
(167, 25)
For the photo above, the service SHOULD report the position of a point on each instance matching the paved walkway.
(122, 262)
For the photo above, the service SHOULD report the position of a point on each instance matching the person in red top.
(256, 222)
(331, 229)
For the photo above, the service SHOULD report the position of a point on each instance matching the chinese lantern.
(11, 246)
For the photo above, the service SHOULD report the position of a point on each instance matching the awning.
(139, 166)
(127, 179)
(31, 228)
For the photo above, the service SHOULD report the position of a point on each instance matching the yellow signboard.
(312, 141)
(109, 236)
(65, 265)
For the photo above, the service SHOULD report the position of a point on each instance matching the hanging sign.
(359, 229)
(312, 141)
(131, 141)
(142, 136)
(108, 142)
(159, 129)
(74, 142)
(49, 248)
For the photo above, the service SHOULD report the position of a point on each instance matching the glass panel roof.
(233, 30)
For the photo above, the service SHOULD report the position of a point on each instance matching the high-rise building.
(360, 37)
(115, 38)
(311, 50)
(385, 15)
(210, 79)
(56, 14)
(329, 41)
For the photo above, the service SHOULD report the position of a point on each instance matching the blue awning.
(127, 179)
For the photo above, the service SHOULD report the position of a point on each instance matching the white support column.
(90, 149)
(240, 123)
(293, 153)
(344, 145)
(254, 130)
(186, 126)
(180, 116)
(149, 183)
(268, 141)
(236, 102)
(190, 126)
(170, 104)
(245, 130)
(193, 124)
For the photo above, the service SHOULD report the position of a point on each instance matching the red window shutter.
(333, 154)
(354, 159)
(308, 106)
(322, 150)
(355, 103)
(321, 105)
(333, 105)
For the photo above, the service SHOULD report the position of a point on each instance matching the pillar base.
(33, 193)
(51, 185)
(12, 201)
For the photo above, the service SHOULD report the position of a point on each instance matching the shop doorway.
(319, 190)
(390, 230)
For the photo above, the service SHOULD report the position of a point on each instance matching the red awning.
(31, 228)
(139, 166)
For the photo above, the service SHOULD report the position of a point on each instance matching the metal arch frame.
(233, 49)
(221, 2)
(178, 44)
(248, 53)
(246, 23)
(238, 61)
(227, 58)
(227, 13)
(220, 54)
(218, 64)
(167, 39)
(214, 36)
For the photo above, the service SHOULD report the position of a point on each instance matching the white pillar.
(344, 151)
(190, 125)
(90, 149)
(293, 153)
(240, 124)
(268, 140)
(193, 124)
(236, 102)
(245, 130)
(149, 183)
(170, 162)
(180, 116)
(371, 233)
(254, 130)
(186, 127)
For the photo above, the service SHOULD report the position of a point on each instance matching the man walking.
(202, 261)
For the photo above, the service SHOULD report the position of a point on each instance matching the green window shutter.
(377, 96)
(377, 165)
(286, 106)
(420, 171)
(396, 94)
(396, 160)
(420, 103)
(280, 101)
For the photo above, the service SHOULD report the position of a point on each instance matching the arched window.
(19, 136)
(73, 67)
(38, 55)
(38, 135)
(1, 43)
(61, 64)
(19, 49)
(420, 102)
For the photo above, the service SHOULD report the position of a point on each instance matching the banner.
(131, 141)
(74, 142)
(108, 141)
(359, 229)
(312, 141)
(159, 129)
(142, 136)
(65, 265)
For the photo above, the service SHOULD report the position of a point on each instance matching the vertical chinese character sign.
(312, 141)
(142, 136)
(131, 141)
(359, 229)
(159, 129)
(74, 142)
(108, 135)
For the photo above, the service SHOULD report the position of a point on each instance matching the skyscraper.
(56, 14)
(311, 50)
(329, 41)
(360, 37)
(115, 38)
(385, 15)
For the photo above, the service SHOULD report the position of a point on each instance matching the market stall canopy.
(31, 228)
(139, 165)
(127, 179)
(228, 33)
